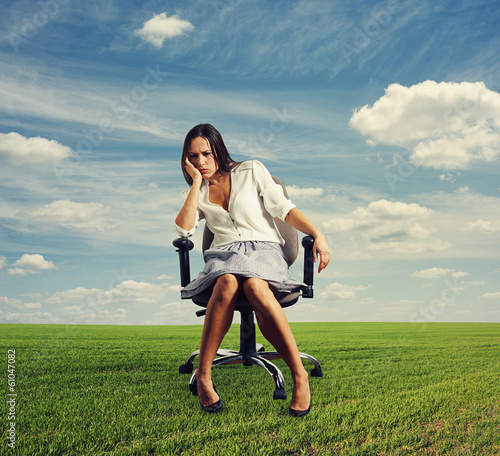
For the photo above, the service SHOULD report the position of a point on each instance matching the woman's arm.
(186, 219)
(299, 221)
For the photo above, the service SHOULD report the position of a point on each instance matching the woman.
(238, 202)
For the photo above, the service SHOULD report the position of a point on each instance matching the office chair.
(249, 352)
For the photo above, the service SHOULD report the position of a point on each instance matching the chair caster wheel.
(186, 369)
(317, 372)
(279, 393)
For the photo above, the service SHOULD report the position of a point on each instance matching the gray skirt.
(262, 260)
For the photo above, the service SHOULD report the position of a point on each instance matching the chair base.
(250, 353)
(259, 358)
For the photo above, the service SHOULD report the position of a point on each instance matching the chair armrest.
(184, 245)
(307, 243)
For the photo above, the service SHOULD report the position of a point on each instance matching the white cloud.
(29, 305)
(390, 209)
(495, 295)
(338, 291)
(296, 191)
(31, 264)
(388, 225)
(76, 315)
(20, 150)
(35, 262)
(459, 274)
(68, 212)
(446, 125)
(31, 318)
(407, 302)
(87, 216)
(78, 294)
(475, 283)
(165, 277)
(33, 295)
(69, 315)
(128, 292)
(161, 27)
(18, 304)
(435, 273)
(118, 189)
(132, 292)
(482, 226)
(5, 301)
(111, 317)
(431, 273)
(449, 177)
(16, 271)
(174, 313)
(340, 225)
(378, 214)
(3, 262)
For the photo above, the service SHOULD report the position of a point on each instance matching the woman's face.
(201, 157)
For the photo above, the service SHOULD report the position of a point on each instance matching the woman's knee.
(227, 285)
(258, 293)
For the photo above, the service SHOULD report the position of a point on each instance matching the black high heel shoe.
(299, 413)
(212, 408)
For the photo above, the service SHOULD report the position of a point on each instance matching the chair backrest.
(288, 232)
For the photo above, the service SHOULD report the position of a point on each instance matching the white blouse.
(254, 201)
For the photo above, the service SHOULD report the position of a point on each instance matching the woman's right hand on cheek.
(193, 171)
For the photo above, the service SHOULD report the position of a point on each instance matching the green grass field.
(388, 389)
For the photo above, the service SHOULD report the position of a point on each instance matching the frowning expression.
(201, 157)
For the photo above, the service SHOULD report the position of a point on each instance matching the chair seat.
(285, 299)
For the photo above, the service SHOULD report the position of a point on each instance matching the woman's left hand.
(320, 248)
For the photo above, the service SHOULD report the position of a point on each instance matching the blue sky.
(381, 117)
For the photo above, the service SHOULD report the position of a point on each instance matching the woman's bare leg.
(218, 319)
(275, 328)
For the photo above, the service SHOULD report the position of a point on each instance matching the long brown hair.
(224, 161)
